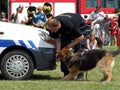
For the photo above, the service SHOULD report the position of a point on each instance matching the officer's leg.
(79, 48)
(64, 42)
(64, 68)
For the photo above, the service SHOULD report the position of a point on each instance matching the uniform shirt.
(72, 26)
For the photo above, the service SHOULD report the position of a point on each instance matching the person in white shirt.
(98, 27)
(20, 18)
(97, 13)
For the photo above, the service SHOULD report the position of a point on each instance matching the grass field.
(51, 80)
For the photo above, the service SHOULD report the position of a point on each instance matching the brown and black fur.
(85, 61)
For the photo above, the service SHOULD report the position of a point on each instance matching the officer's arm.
(75, 42)
(58, 44)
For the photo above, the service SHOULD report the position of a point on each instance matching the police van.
(23, 49)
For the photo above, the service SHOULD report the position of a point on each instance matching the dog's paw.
(67, 78)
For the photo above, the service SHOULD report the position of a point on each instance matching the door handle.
(1, 32)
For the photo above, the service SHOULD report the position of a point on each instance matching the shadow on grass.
(44, 77)
(1, 77)
(48, 77)
(38, 77)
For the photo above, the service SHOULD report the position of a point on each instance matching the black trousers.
(79, 47)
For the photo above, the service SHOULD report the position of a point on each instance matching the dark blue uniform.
(72, 26)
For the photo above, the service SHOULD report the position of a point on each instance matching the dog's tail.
(115, 53)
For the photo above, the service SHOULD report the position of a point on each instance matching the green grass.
(51, 80)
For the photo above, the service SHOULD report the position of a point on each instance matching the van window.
(91, 3)
(109, 3)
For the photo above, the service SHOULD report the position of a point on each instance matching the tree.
(4, 6)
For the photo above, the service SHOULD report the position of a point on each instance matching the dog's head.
(64, 54)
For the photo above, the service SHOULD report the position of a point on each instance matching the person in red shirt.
(117, 16)
(113, 28)
(118, 34)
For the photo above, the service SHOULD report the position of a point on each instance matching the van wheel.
(17, 65)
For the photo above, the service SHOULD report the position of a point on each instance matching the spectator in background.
(12, 18)
(20, 17)
(21, 6)
(39, 18)
(91, 42)
(117, 16)
(3, 17)
(113, 29)
(100, 29)
(97, 13)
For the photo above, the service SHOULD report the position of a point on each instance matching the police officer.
(68, 29)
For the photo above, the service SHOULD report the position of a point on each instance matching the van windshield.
(109, 3)
(91, 3)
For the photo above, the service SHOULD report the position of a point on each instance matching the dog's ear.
(64, 54)
(67, 51)
(59, 53)
(61, 56)
(67, 48)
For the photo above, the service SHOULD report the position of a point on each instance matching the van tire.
(17, 65)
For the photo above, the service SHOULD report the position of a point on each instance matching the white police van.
(23, 49)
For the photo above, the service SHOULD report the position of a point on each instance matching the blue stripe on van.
(22, 43)
(6, 43)
(32, 44)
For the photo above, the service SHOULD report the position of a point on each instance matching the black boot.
(80, 76)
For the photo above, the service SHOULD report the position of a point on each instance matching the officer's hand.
(57, 57)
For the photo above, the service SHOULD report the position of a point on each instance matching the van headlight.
(46, 37)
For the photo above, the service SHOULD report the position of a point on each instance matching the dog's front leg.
(70, 76)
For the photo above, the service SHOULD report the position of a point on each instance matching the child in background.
(92, 42)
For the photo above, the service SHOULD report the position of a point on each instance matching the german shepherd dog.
(85, 61)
